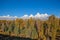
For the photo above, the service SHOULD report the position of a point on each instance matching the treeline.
(31, 28)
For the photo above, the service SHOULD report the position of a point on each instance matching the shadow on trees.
(6, 37)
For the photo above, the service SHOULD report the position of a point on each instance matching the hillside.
(32, 28)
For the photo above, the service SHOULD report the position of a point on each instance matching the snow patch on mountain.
(8, 17)
(37, 16)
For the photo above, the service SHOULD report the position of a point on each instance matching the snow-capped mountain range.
(37, 16)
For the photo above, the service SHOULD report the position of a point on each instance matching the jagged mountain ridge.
(37, 16)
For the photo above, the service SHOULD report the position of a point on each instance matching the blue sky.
(22, 7)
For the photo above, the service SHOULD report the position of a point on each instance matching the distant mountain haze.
(37, 16)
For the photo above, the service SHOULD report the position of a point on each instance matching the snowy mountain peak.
(37, 16)
(31, 16)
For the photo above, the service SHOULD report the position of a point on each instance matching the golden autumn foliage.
(31, 28)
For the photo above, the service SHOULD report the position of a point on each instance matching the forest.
(32, 28)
